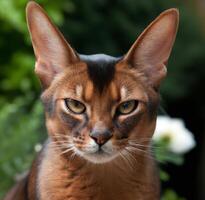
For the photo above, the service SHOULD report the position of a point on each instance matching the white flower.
(38, 147)
(181, 140)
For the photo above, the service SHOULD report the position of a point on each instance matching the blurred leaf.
(164, 176)
(163, 155)
(21, 115)
(92, 26)
(171, 195)
(21, 128)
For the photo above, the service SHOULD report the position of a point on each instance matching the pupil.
(76, 104)
(126, 105)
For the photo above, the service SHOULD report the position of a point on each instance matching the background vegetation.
(98, 26)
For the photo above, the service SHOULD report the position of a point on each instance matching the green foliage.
(164, 176)
(21, 114)
(163, 155)
(171, 195)
(17, 60)
(21, 128)
(92, 26)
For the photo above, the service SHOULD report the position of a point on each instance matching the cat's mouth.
(100, 151)
(98, 154)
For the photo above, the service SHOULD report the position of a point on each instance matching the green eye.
(75, 106)
(127, 107)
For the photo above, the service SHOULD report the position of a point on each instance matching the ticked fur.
(100, 153)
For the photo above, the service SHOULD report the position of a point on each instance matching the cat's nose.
(101, 137)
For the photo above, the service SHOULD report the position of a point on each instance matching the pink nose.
(101, 137)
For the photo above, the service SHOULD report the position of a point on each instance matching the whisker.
(141, 140)
(129, 152)
(139, 145)
(126, 159)
(61, 136)
(147, 149)
(150, 146)
(123, 157)
(60, 142)
(59, 147)
(72, 156)
(148, 154)
(67, 150)
(62, 149)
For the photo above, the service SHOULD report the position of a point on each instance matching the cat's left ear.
(150, 53)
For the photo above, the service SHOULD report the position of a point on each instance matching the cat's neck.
(58, 176)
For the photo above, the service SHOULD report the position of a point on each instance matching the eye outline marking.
(135, 108)
(61, 101)
(70, 110)
(138, 111)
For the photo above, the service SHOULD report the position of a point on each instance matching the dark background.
(101, 26)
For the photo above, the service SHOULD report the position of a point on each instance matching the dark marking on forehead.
(101, 69)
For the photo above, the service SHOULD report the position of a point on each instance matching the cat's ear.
(150, 52)
(52, 52)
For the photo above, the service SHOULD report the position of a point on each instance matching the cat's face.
(99, 106)
(102, 111)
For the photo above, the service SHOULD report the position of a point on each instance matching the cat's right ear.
(150, 52)
(52, 52)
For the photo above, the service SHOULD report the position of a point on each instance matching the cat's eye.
(75, 106)
(127, 107)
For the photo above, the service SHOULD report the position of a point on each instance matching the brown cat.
(100, 115)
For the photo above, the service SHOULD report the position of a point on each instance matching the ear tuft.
(151, 51)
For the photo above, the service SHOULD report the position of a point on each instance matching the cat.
(100, 115)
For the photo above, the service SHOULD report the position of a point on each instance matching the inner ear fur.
(150, 52)
(52, 52)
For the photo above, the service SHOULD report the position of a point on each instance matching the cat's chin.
(99, 157)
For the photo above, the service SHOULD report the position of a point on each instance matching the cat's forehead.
(100, 76)
(100, 68)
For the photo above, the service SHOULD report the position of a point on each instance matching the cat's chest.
(65, 181)
(78, 185)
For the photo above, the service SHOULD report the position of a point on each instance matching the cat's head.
(100, 106)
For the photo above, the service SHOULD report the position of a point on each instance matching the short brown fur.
(68, 168)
